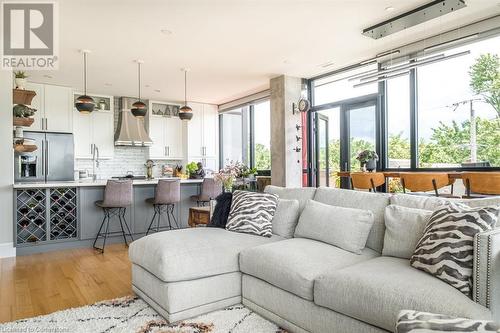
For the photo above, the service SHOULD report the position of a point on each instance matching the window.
(262, 135)
(448, 105)
(233, 148)
(398, 122)
(246, 136)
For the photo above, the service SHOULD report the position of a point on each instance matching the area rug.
(131, 314)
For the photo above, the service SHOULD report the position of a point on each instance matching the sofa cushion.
(446, 249)
(347, 228)
(411, 321)
(302, 194)
(418, 201)
(294, 264)
(403, 228)
(252, 213)
(186, 254)
(286, 217)
(376, 290)
(374, 202)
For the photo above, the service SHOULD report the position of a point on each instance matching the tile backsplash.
(125, 159)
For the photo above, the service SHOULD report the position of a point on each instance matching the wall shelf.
(20, 96)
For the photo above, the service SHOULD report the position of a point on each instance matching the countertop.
(97, 183)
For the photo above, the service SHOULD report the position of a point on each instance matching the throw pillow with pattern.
(252, 213)
(446, 249)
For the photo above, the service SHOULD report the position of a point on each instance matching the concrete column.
(286, 163)
(7, 165)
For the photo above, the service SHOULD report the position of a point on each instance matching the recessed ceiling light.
(47, 76)
(286, 61)
(157, 90)
(108, 84)
(389, 9)
(147, 86)
(166, 31)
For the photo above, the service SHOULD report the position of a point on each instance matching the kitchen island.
(58, 215)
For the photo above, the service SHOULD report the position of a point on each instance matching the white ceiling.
(233, 47)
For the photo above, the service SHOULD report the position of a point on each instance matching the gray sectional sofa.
(305, 285)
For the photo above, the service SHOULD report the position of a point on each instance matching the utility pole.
(473, 135)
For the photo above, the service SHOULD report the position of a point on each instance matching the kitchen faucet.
(95, 161)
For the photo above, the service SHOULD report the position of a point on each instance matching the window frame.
(250, 109)
(382, 123)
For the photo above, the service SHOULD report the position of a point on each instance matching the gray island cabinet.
(67, 217)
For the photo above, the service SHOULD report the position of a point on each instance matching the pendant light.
(139, 109)
(85, 104)
(185, 112)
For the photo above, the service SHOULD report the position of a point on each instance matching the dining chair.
(420, 182)
(210, 189)
(367, 180)
(481, 183)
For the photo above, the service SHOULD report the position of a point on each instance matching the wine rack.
(45, 215)
(31, 221)
(63, 213)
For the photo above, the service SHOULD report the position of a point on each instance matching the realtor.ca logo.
(29, 35)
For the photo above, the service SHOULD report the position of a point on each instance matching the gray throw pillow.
(286, 217)
(252, 213)
(410, 321)
(403, 229)
(446, 249)
(347, 228)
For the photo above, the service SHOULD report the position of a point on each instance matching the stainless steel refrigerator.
(53, 160)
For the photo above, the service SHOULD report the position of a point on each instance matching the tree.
(262, 157)
(485, 79)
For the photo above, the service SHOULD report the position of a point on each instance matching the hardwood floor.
(43, 283)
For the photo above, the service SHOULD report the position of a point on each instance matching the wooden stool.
(198, 215)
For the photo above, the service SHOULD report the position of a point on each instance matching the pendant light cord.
(85, 72)
(185, 87)
(139, 65)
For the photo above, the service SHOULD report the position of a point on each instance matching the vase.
(362, 167)
(20, 83)
(228, 186)
(371, 165)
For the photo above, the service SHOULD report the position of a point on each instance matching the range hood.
(131, 130)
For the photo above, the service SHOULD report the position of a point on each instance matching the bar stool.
(210, 189)
(167, 194)
(419, 182)
(117, 197)
(481, 184)
(367, 180)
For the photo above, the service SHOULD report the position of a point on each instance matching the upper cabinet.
(203, 134)
(54, 108)
(95, 130)
(166, 131)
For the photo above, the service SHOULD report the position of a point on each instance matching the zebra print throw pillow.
(252, 213)
(410, 321)
(446, 248)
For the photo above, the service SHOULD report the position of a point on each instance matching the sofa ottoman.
(188, 272)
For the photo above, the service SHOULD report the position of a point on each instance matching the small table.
(199, 215)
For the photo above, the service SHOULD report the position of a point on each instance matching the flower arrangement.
(232, 171)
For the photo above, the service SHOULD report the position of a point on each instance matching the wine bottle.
(24, 223)
(39, 197)
(38, 209)
(24, 210)
(39, 222)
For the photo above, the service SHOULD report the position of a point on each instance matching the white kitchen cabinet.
(37, 103)
(195, 131)
(166, 131)
(54, 108)
(57, 107)
(95, 129)
(203, 135)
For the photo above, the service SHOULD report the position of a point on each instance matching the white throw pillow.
(347, 228)
(252, 213)
(403, 229)
(286, 217)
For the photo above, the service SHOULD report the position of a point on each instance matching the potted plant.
(249, 173)
(368, 160)
(191, 169)
(20, 79)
